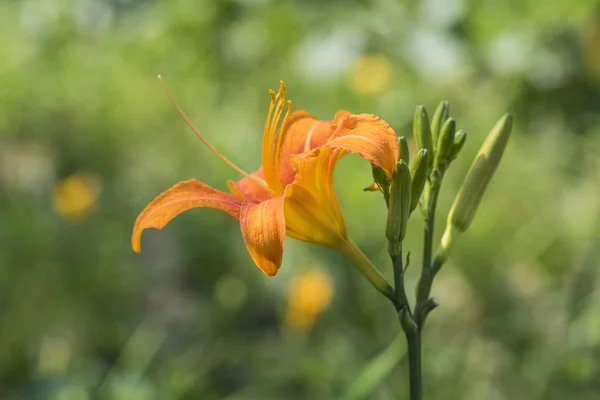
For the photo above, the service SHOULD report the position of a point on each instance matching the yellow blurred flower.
(371, 74)
(74, 196)
(310, 293)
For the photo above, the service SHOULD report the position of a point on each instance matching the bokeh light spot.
(371, 74)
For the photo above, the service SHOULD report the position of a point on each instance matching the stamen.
(206, 143)
(280, 138)
(270, 137)
(275, 122)
(265, 138)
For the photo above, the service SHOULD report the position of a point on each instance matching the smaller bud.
(398, 207)
(373, 187)
(404, 153)
(381, 182)
(418, 173)
(459, 141)
(422, 131)
(379, 175)
(444, 145)
(469, 196)
(442, 112)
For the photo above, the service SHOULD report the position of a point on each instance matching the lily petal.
(248, 188)
(263, 230)
(179, 198)
(302, 132)
(311, 208)
(368, 135)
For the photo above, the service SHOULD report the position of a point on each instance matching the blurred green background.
(88, 138)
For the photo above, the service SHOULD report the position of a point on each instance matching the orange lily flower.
(292, 193)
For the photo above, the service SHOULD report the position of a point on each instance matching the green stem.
(429, 226)
(364, 265)
(426, 280)
(414, 365)
(400, 299)
(413, 326)
(435, 267)
(413, 341)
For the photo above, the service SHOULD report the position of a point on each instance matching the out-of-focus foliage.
(88, 138)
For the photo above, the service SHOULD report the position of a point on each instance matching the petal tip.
(270, 272)
(263, 230)
(136, 239)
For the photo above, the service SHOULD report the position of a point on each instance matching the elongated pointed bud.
(399, 207)
(444, 145)
(459, 141)
(442, 112)
(422, 131)
(418, 173)
(404, 153)
(468, 198)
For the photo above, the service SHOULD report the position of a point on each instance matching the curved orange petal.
(368, 135)
(311, 208)
(302, 132)
(247, 188)
(179, 198)
(263, 230)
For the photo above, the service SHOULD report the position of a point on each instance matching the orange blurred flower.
(292, 193)
(309, 295)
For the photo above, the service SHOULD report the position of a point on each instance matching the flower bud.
(444, 145)
(373, 187)
(448, 239)
(459, 141)
(481, 172)
(418, 173)
(380, 176)
(404, 153)
(422, 131)
(381, 182)
(399, 206)
(440, 116)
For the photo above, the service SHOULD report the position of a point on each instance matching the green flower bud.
(422, 131)
(459, 141)
(399, 207)
(418, 173)
(382, 181)
(442, 112)
(379, 175)
(468, 198)
(444, 145)
(404, 153)
(448, 239)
